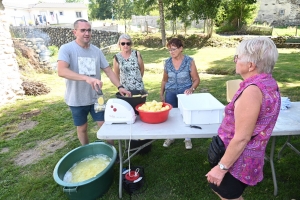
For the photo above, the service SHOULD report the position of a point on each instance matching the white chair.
(231, 87)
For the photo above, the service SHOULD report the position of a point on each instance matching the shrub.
(54, 50)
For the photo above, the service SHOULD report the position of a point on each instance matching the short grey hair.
(261, 51)
(124, 36)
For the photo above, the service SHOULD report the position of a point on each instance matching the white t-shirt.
(83, 61)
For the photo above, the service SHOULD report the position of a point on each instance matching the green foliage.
(123, 9)
(54, 50)
(100, 9)
(236, 13)
(202, 9)
(225, 28)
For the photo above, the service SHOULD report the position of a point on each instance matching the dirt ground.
(42, 149)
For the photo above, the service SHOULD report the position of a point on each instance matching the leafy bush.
(54, 50)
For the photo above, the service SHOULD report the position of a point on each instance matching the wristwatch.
(222, 167)
(121, 86)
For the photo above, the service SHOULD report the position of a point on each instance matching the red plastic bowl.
(154, 117)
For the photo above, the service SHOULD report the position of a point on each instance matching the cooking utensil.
(118, 111)
(100, 104)
(198, 127)
(137, 97)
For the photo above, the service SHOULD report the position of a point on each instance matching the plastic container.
(154, 117)
(94, 187)
(134, 101)
(200, 108)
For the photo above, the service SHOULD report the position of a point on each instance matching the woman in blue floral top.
(180, 77)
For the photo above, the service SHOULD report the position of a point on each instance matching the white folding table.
(288, 123)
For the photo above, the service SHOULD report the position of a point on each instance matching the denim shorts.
(171, 96)
(230, 187)
(80, 113)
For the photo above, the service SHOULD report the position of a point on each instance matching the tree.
(162, 22)
(100, 9)
(123, 9)
(238, 13)
(205, 9)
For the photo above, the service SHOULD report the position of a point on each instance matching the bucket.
(134, 101)
(94, 187)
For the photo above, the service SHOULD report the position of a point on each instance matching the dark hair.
(79, 20)
(175, 42)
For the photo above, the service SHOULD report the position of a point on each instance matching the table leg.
(287, 143)
(121, 169)
(272, 165)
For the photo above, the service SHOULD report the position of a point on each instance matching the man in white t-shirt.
(80, 63)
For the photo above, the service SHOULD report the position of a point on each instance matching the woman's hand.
(189, 91)
(215, 175)
(125, 92)
(162, 98)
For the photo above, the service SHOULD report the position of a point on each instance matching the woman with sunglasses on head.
(180, 77)
(128, 65)
(249, 120)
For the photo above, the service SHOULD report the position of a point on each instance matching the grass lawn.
(170, 173)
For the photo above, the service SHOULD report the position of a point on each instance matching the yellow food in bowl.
(153, 106)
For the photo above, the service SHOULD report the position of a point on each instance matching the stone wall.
(279, 12)
(39, 53)
(58, 36)
(10, 79)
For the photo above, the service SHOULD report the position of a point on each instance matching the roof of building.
(14, 5)
(59, 5)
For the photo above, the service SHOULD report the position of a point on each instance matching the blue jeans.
(171, 98)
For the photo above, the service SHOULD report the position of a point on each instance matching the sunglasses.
(84, 30)
(127, 43)
(235, 58)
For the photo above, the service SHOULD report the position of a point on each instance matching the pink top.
(248, 168)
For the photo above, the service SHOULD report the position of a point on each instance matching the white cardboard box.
(200, 108)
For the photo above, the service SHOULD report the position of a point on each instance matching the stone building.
(10, 79)
(279, 12)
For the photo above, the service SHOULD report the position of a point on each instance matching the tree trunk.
(173, 27)
(176, 25)
(210, 27)
(162, 22)
(204, 25)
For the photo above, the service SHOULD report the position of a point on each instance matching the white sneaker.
(168, 142)
(188, 144)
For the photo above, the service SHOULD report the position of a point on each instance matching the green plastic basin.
(94, 187)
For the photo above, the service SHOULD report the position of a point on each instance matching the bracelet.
(121, 86)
